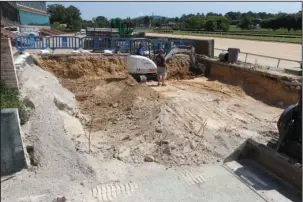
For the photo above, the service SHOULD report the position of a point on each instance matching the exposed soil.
(188, 122)
(265, 87)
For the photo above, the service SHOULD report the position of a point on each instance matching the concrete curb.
(13, 157)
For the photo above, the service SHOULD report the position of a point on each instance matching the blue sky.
(173, 9)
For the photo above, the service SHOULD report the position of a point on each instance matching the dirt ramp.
(74, 67)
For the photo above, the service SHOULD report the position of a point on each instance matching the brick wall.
(8, 71)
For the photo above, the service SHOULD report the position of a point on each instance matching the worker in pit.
(140, 50)
(161, 67)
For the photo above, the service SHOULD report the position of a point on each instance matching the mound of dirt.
(101, 86)
(179, 67)
(107, 101)
(75, 67)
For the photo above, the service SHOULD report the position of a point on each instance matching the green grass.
(265, 31)
(257, 38)
(9, 97)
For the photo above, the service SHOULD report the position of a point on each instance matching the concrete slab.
(12, 152)
(205, 183)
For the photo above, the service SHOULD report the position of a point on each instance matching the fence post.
(278, 63)
(246, 57)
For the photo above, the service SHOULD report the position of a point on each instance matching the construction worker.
(161, 67)
(140, 50)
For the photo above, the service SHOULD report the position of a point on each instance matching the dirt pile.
(75, 67)
(179, 67)
(101, 86)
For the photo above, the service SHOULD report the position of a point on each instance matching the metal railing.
(263, 56)
(88, 43)
(223, 33)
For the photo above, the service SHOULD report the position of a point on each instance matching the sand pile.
(75, 67)
(179, 67)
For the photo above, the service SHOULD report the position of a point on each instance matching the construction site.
(95, 130)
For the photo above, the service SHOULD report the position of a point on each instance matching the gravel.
(60, 168)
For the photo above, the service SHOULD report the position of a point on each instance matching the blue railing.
(88, 43)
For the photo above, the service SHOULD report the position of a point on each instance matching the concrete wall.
(205, 47)
(12, 152)
(8, 71)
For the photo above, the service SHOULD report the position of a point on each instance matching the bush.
(224, 26)
(56, 25)
(246, 23)
(9, 97)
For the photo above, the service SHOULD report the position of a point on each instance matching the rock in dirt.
(167, 150)
(149, 158)
(192, 144)
(162, 142)
(127, 137)
(158, 130)
(115, 105)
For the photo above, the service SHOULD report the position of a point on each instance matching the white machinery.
(143, 68)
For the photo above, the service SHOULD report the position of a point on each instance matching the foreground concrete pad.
(205, 183)
(12, 152)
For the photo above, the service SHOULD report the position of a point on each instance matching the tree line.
(71, 16)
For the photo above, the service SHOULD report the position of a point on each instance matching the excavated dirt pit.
(188, 122)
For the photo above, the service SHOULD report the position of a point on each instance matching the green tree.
(210, 25)
(146, 20)
(73, 17)
(101, 21)
(224, 26)
(222, 23)
(245, 23)
(195, 22)
(56, 13)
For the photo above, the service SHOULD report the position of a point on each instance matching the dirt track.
(273, 49)
(186, 123)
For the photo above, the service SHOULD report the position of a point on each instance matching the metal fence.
(277, 59)
(222, 33)
(88, 43)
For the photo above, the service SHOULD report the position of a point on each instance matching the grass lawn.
(258, 38)
(266, 31)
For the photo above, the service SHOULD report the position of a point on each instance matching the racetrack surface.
(273, 49)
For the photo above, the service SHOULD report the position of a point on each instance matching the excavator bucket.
(263, 168)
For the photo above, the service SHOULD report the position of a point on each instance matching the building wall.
(29, 18)
(9, 12)
(39, 5)
(8, 71)
(33, 13)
